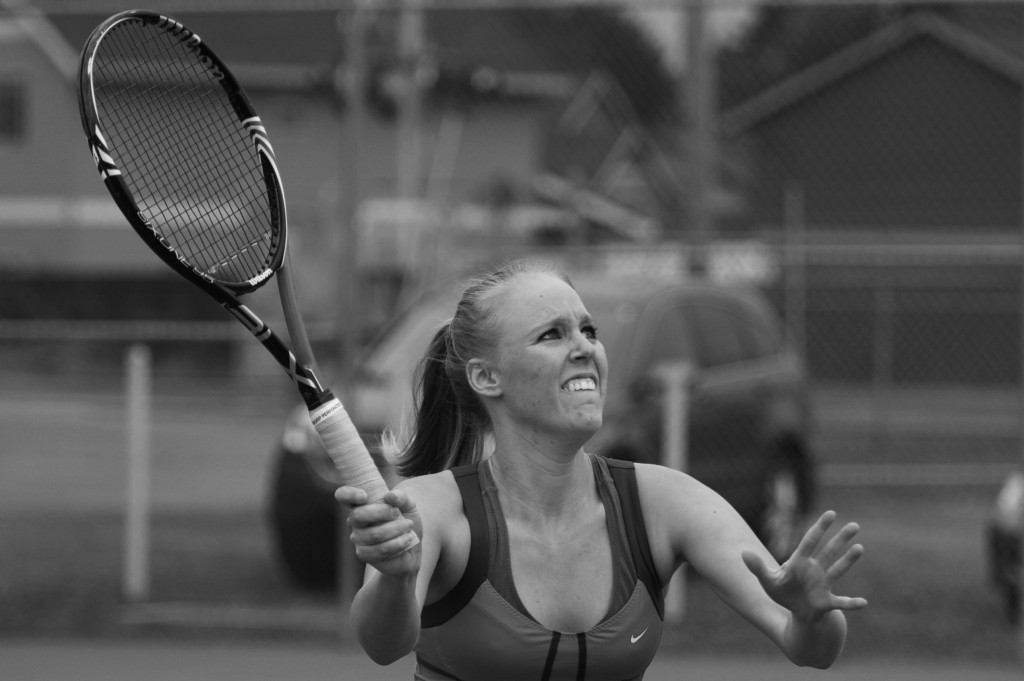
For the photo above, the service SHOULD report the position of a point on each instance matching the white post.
(136, 546)
(675, 426)
(794, 256)
(410, 144)
(700, 88)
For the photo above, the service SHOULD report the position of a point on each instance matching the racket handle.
(347, 450)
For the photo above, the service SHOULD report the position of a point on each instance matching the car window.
(396, 353)
(720, 336)
(671, 339)
(764, 337)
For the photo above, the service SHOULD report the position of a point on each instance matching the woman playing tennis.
(540, 560)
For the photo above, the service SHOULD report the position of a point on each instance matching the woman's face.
(549, 368)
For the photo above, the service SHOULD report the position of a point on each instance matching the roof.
(303, 45)
(32, 26)
(920, 25)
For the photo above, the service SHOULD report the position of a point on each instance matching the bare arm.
(386, 610)
(816, 627)
(791, 604)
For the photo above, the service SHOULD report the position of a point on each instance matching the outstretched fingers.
(847, 602)
(837, 557)
(841, 565)
(812, 539)
(838, 546)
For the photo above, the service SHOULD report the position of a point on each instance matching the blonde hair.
(451, 426)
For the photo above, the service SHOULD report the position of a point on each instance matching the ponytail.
(450, 423)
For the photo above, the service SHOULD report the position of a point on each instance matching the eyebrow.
(561, 320)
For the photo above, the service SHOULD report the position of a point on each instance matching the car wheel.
(304, 524)
(1013, 604)
(781, 518)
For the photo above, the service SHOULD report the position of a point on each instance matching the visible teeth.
(581, 384)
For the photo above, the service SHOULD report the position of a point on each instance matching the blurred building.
(490, 137)
(889, 171)
(915, 129)
(477, 133)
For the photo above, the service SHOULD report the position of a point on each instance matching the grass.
(61, 540)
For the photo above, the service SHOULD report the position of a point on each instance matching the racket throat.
(304, 378)
(250, 321)
(313, 393)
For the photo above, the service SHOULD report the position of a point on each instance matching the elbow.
(383, 654)
(816, 664)
(387, 649)
(383, 657)
(817, 646)
(814, 659)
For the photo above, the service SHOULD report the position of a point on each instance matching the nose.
(583, 347)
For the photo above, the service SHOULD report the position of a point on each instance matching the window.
(720, 336)
(671, 340)
(13, 115)
(765, 337)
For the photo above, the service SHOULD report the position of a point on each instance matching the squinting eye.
(551, 334)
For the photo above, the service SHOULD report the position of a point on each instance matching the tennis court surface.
(54, 660)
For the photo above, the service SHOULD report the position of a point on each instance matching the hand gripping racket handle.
(347, 450)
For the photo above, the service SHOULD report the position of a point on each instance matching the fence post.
(883, 351)
(794, 257)
(675, 426)
(1020, 421)
(701, 105)
(138, 362)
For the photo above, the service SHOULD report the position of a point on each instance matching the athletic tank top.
(480, 630)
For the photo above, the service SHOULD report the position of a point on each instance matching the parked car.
(1004, 527)
(748, 409)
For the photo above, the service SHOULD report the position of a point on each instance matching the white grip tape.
(347, 450)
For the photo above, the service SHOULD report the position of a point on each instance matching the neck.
(538, 487)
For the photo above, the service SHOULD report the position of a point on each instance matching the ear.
(482, 378)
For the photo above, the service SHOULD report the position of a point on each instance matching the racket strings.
(186, 157)
(203, 215)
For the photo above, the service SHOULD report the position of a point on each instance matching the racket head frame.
(300, 364)
(223, 291)
(329, 417)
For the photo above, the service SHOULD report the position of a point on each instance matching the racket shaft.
(346, 449)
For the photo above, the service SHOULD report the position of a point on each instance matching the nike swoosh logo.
(634, 639)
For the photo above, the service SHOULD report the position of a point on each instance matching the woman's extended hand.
(386, 534)
(803, 584)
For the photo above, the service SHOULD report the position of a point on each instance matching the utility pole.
(410, 55)
(349, 81)
(701, 106)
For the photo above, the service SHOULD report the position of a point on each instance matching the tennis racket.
(188, 161)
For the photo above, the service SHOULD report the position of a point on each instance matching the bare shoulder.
(436, 495)
(660, 485)
(446, 533)
(686, 519)
(678, 498)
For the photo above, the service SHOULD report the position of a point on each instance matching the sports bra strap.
(468, 479)
(439, 612)
(624, 475)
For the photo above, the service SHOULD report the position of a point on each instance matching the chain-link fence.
(862, 164)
